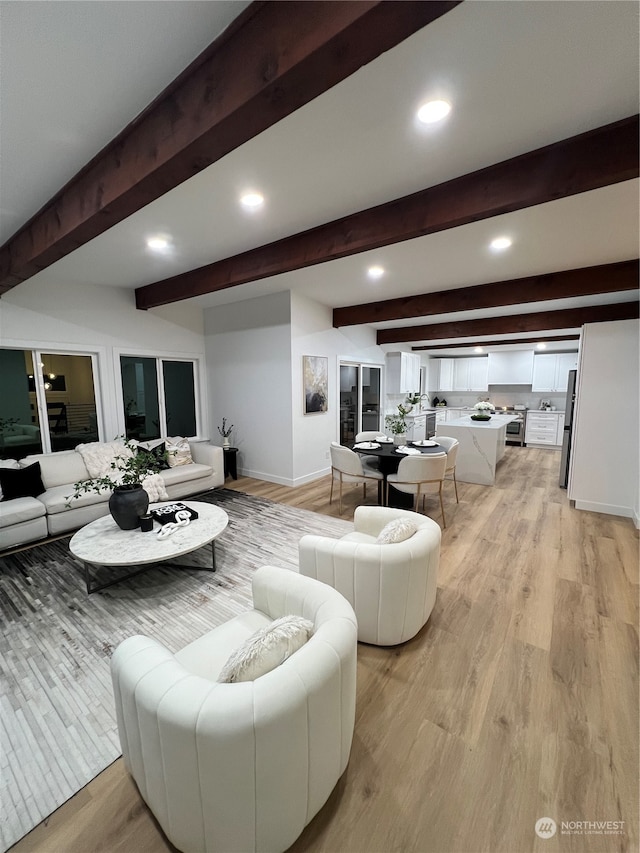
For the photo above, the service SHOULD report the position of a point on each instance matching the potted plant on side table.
(225, 432)
(124, 476)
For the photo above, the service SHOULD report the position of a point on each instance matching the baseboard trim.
(284, 481)
(607, 509)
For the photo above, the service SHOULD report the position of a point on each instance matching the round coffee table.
(103, 543)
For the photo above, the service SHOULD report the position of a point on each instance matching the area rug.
(57, 718)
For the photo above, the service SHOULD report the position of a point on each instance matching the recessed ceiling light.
(252, 200)
(433, 111)
(375, 272)
(478, 349)
(500, 243)
(158, 243)
(541, 346)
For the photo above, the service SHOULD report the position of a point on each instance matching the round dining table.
(389, 457)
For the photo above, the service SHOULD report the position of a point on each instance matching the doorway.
(360, 399)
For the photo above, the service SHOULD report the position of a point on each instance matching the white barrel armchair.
(241, 766)
(392, 587)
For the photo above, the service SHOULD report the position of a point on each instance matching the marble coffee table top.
(102, 542)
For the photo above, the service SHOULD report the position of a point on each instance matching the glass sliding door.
(371, 381)
(349, 402)
(360, 398)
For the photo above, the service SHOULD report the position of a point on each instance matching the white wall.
(248, 348)
(254, 363)
(605, 473)
(101, 320)
(312, 333)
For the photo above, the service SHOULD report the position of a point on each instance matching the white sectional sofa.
(51, 513)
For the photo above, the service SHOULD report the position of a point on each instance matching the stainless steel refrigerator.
(568, 425)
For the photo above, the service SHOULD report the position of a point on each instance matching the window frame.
(196, 359)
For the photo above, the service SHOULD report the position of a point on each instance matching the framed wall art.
(315, 384)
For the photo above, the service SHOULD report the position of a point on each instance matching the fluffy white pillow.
(397, 531)
(266, 649)
(178, 451)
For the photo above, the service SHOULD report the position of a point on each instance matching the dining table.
(389, 457)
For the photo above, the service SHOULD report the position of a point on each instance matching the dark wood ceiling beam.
(597, 158)
(606, 278)
(541, 321)
(543, 339)
(278, 57)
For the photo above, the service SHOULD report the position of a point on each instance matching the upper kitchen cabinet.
(463, 374)
(403, 373)
(514, 367)
(445, 374)
(470, 374)
(551, 371)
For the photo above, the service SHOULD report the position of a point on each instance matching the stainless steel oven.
(515, 429)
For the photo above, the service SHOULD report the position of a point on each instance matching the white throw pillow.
(178, 451)
(396, 531)
(266, 649)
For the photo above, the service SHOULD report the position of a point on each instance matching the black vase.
(127, 504)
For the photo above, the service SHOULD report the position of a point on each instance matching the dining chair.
(348, 467)
(420, 475)
(450, 446)
(368, 435)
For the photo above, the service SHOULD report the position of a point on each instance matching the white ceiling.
(519, 73)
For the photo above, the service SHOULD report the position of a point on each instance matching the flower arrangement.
(483, 411)
(397, 423)
(224, 430)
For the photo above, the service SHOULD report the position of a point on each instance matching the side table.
(230, 456)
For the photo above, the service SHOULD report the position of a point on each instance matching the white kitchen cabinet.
(470, 374)
(551, 371)
(416, 428)
(441, 415)
(403, 373)
(514, 367)
(544, 428)
(453, 414)
(445, 374)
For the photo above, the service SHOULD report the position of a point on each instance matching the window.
(156, 408)
(48, 402)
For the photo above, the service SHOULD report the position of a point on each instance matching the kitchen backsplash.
(502, 395)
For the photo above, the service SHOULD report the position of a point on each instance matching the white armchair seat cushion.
(206, 656)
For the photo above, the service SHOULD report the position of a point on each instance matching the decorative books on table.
(166, 513)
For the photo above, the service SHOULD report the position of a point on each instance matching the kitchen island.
(482, 446)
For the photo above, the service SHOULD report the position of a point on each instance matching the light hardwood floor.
(518, 700)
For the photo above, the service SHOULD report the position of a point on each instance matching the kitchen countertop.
(496, 422)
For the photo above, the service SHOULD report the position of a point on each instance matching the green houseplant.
(397, 423)
(126, 472)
